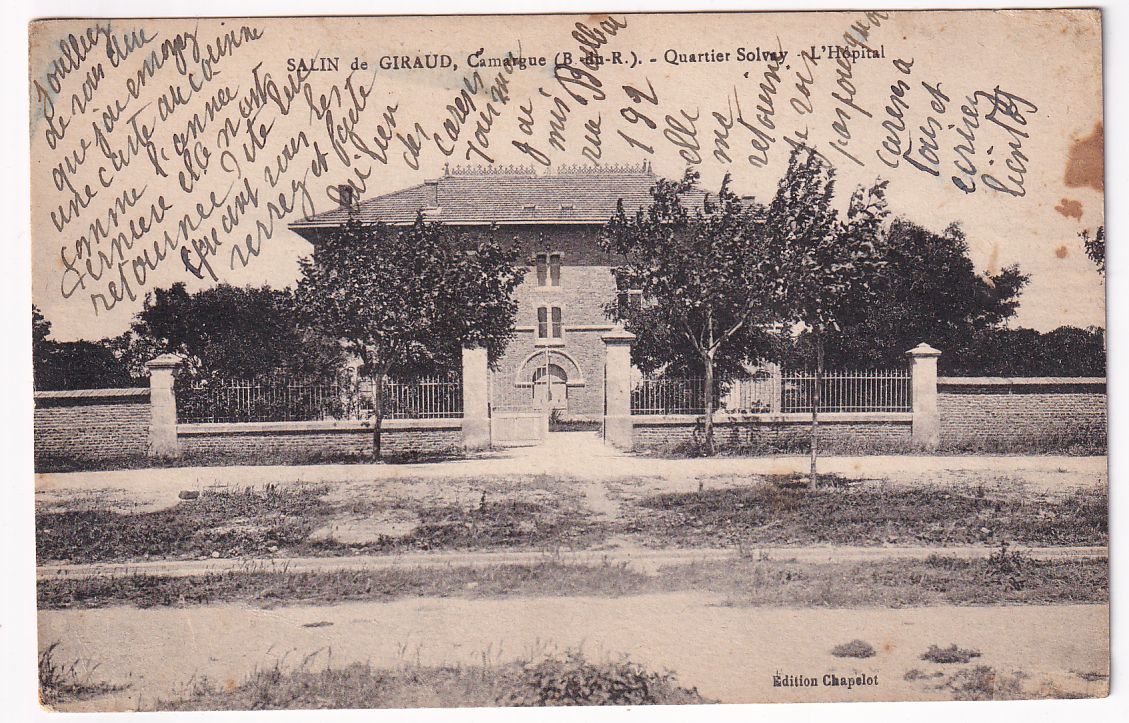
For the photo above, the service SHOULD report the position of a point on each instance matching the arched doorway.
(550, 388)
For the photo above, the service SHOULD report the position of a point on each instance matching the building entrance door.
(550, 389)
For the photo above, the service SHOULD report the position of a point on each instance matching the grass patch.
(951, 654)
(554, 680)
(766, 440)
(227, 523)
(757, 583)
(854, 649)
(251, 458)
(779, 512)
(268, 588)
(63, 682)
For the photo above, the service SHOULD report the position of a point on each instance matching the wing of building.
(556, 360)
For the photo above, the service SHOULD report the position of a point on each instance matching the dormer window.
(548, 269)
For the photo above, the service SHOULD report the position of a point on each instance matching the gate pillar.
(926, 418)
(618, 427)
(476, 399)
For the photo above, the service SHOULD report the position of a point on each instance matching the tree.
(404, 299)
(928, 291)
(700, 274)
(822, 263)
(74, 364)
(1063, 352)
(1095, 247)
(231, 332)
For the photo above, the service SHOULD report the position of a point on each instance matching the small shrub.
(572, 680)
(951, 654)
(854, 649)
(984, 683)
(1007, 561)
(918, 674)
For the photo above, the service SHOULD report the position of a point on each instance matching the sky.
(1039, 71)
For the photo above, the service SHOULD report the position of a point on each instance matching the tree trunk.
(813, 478)
(378, 413)
(710, 449)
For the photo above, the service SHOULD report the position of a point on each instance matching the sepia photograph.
(625, 359)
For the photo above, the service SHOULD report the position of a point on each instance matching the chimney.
(345, 192)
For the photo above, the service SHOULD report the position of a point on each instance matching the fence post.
(926, 417)
(776, 403)
(476, 399)
(618, 428)
(162, 406)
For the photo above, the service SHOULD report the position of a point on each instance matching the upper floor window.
(548, 269)
(629, 301)
(549, 325)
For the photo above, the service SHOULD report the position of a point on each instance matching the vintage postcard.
(628, 359)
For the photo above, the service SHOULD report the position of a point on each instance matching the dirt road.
(729, 653)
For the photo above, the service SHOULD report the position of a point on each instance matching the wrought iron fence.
(662, 395)
(787, 392)
(429, 398)
(266, 399)
(876, 390)
(284, 399)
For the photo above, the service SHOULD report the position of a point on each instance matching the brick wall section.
(1006, 411)
(881, 432)
(95, 424)
(336, 442)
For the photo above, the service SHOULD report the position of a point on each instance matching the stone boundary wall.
(332, 438)
(763, 431)
(979, 411)
(91, 424)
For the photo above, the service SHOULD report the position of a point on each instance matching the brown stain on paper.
(1062, 252)
(1085, 167)
(1070, 208)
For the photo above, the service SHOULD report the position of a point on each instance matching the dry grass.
(743, 582)
(61, 682)
(780, 511)
(567, 679)
(229, 523)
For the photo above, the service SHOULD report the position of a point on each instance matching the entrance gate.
(516, 420)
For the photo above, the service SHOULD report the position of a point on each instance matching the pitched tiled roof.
(575, 195)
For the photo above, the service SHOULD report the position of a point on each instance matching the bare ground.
(728, 653)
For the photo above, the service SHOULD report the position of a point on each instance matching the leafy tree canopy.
(230, 331)
(1095, 247)
(698, 269)
(928, 291)
(74, 364)
(407, 300)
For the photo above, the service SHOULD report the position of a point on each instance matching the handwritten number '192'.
(633, 116)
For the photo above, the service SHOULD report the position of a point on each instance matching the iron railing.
(875, 390)
(788, 392)
(285, 399)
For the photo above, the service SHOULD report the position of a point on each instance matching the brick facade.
(101, 424)
(586, 287)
